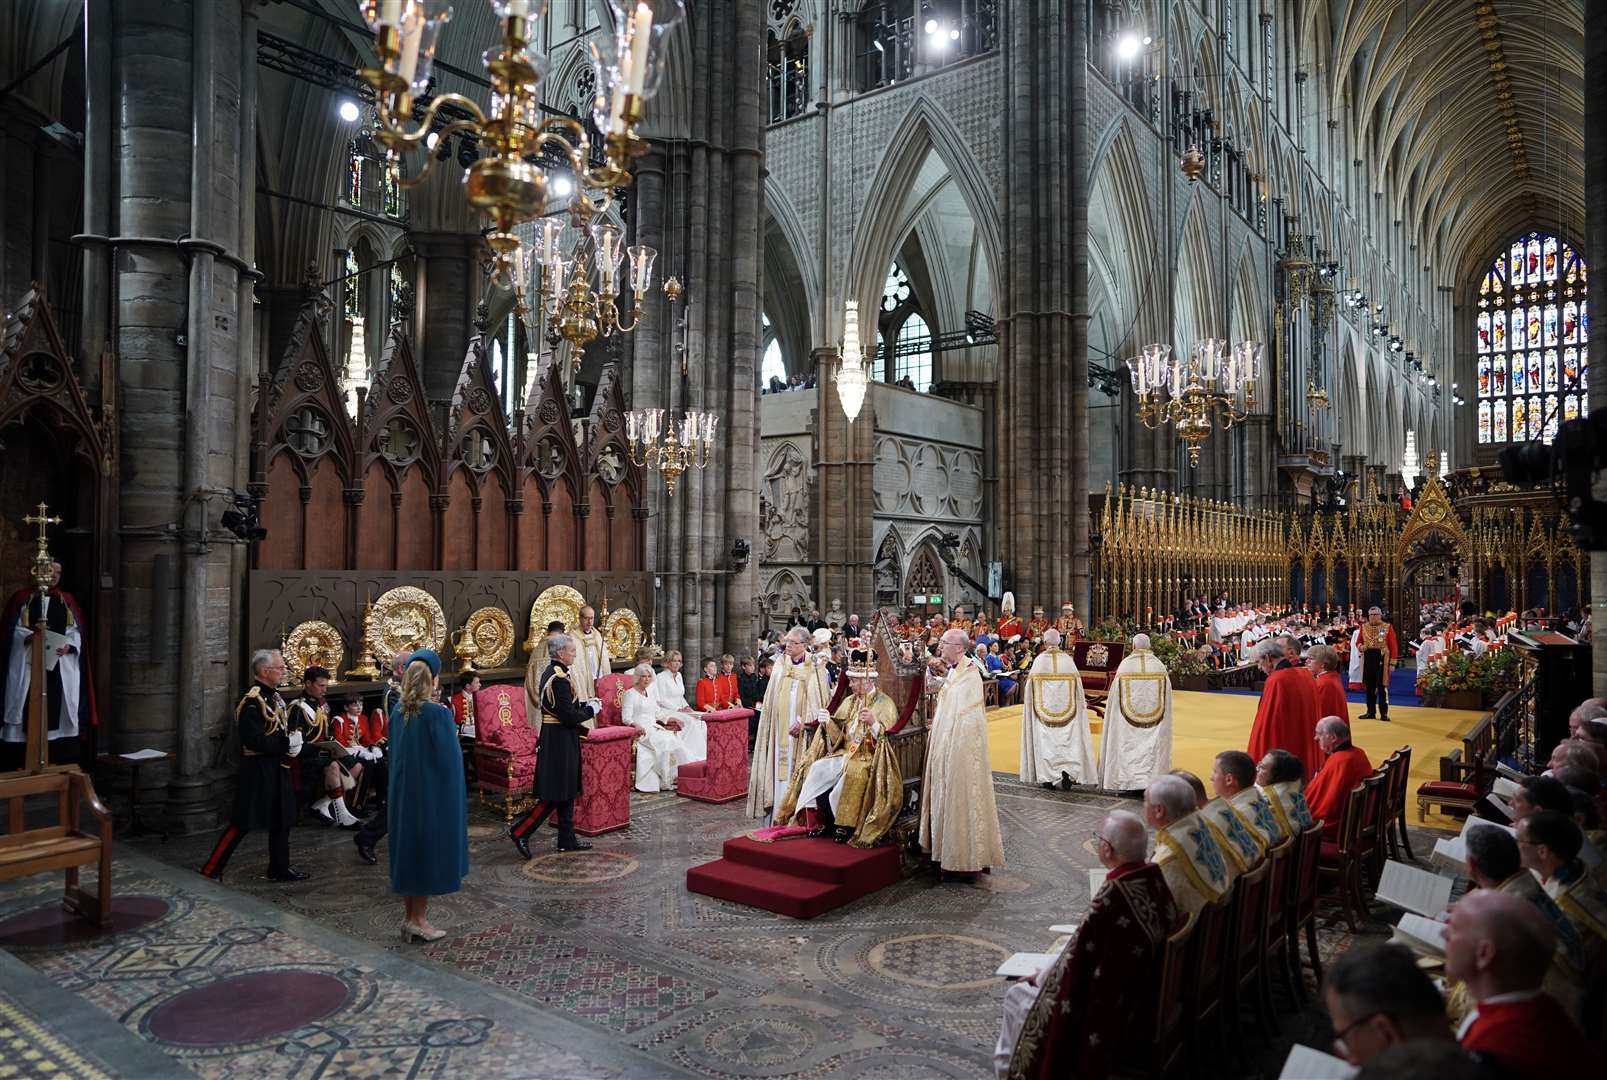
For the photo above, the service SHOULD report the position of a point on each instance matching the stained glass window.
(1531, 341)
(916, 364)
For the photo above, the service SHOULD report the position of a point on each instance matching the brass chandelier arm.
(393, 130)
(429, 159)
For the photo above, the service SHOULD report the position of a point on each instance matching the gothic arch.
(1121, 236)
(791, 276)
(925, 129)
(1195, 306)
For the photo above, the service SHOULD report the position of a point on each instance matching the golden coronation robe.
(959, 818)
(796, 692)
(867, 789)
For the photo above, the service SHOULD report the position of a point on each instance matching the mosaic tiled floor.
(598, 964)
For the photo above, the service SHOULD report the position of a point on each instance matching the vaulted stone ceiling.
(1474, 110)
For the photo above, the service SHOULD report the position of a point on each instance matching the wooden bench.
(63, 846)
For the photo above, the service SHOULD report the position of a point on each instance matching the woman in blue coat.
(428, 808)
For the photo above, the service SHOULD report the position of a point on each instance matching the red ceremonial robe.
(1331, 702)
(1328, 790)
(1529, 1039)
(1096, 1008)
(1287, 717)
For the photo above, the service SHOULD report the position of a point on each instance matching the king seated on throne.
(848, 773)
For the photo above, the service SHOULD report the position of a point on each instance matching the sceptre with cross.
(36, 753)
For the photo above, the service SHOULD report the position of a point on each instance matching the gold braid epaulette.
(546, 687)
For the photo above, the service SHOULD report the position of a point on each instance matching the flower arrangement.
(1490, 676)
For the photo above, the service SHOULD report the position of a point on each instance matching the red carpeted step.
(865, 869)
(783, 894)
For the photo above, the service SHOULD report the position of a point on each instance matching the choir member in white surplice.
(1056, 742)
(669, 697)
(662, 747)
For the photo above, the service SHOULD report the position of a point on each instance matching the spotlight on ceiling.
(879, 46)
(931, 26)
(954, 35)
(431, 139)
(1128, 46)
(563, 187)
(348, 110)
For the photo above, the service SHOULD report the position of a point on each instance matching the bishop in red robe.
(1091, 1012)
(1287, 717)
(1345, 767)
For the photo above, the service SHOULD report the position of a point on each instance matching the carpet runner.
(798, 878)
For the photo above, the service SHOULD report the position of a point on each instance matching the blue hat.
(428, 656)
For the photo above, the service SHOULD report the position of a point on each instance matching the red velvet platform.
(799, 878)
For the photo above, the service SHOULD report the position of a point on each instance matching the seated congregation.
(1206, 898)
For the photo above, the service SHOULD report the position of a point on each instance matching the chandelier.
(561, 285)
(1213, 383)
(510, 180)
(675, 452)
(852, 379)
(1409, 470)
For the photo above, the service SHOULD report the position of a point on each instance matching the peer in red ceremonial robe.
(1323, 662)
(1287, 717)
(1094, 1012)
(1346, 767)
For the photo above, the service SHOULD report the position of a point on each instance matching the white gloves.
(370, 753)
(820, 717)
(595, 706)
(295, 743)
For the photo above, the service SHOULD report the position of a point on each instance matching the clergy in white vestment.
(959, 817)
(1056, 741)
(1137, 745)
(662, 748)
(592, 661)
(797, 692)
(669, 698)
(69, 695)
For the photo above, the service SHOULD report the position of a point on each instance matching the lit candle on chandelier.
(641, 30)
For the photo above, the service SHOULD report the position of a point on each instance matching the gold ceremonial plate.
(311, 644)
(623, 633)
(560, 603)
(406, 618)
(491, 630)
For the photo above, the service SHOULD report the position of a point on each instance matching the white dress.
(669, 698)
(659, 752)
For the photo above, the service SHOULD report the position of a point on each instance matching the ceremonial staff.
(38, 718)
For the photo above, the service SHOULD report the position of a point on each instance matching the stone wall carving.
(927, 480)
(784, 506)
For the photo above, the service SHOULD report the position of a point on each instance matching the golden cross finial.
(44, 521)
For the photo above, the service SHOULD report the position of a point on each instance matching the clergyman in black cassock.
(558, 760)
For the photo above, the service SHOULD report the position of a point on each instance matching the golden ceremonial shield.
(406, 618)
(491, 630)
(623, 633)
(557, 604)
(311, 644)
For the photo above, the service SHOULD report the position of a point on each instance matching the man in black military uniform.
(558, 759)
(263, 797)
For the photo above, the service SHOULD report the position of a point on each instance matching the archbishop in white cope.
(1138, 722)
(662, 748)
(1056, 741)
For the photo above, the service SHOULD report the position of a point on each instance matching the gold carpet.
(1204, 724)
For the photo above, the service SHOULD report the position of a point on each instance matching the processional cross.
(36, 755)
(41, 559)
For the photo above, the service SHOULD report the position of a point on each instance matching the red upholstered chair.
(504, 747)
(722, 776)
(1301, 913)
(1341, 862)
(607, 773)
(610, 689)
(1097, 662)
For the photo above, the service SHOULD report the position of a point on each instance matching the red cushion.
(613, 733)
(1329, 853)
(609, 688)
(1451, 789)
(694, 769)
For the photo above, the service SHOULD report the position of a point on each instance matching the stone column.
(1043, 458)
(699, 197)
(175, 84)
(1596, 255)
(844, 516)
(451, 285)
